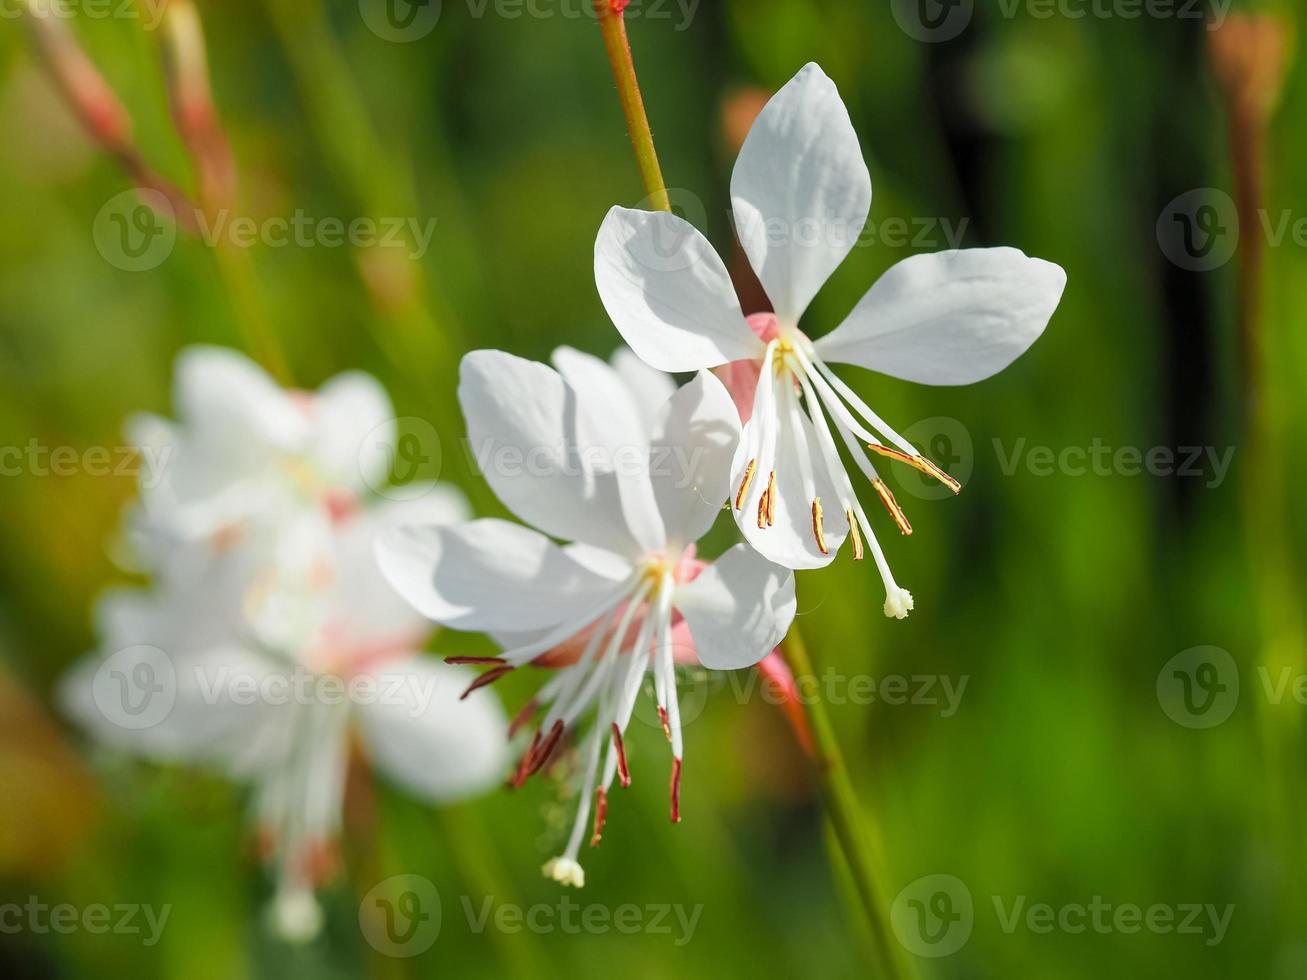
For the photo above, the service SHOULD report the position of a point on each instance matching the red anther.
(524, 766)
(676, 790)
(618, 5)
(489, 677)
(546, 748)
(522, 717)
(662, 717)
(601, 814)
(623, 773)
(476, 661)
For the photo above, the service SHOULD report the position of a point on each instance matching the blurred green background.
(1058, 597)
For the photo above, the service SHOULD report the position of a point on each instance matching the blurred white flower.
(800, 194)
(245, 455)
(271, 654)
(576, 453)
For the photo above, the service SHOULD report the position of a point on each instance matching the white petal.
(669, 293)
(648, 386)
(790, 541)
(364, 603)
(738, 609)
(694, 444)
(488, 574)
(525, 429)
(949, 318)
(800, 191)
(609, 418)
(165, 704)
(232, 399)
(421, 735)
(354, 431)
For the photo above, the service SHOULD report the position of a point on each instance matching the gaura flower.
(800, 194)
(573, 453)
(267, 655)
(245, 453)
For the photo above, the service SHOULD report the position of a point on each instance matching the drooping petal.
(738, 609)
(419, 734)
(694, 443)
(668, 292)
(525, 430)
(489, 575)
(648, 386)
(800, 191)
(169, 705)
(949, 318)
(354, 431)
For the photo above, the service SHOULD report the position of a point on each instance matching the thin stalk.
(613, 28)
(854, 830)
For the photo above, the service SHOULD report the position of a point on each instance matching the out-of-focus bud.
(87, 92)
(739, 110)
(1250, 56)
(194, 114)
(777, 676)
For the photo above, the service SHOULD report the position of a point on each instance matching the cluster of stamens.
(607, 676)
(797, 389)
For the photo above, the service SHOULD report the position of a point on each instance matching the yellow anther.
(887, 498)
(744, 484)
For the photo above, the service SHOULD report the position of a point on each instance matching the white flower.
(245, 453)
(801, 193)
(575, 454)
(268, 653)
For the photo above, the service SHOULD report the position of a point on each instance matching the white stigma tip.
(565, 871)
(295, 916)
(898, 604)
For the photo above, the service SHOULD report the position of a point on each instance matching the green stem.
(613, 27)
(854, 829)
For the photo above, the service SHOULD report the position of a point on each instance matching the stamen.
(855, 533)
(762, 509)
(818, 531)
(887, 498)
(662, 716)
(771, 499)
(744, 484)
(524, 766)
(919, 463)
(523, 716)
(489, 677)
(676, 790)
(927, 466)
(601, 814)
(623, 773)
(546, 748)
(475, 661)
